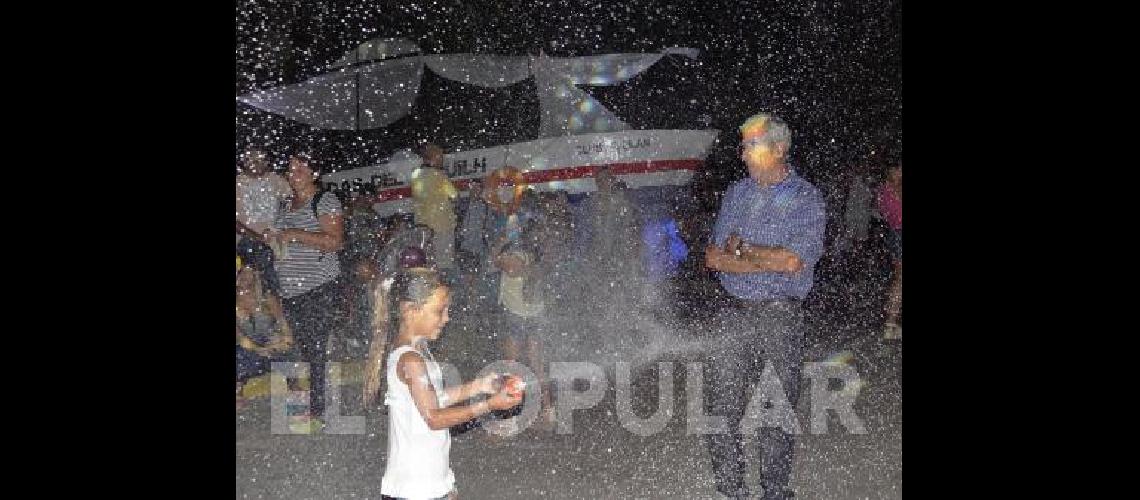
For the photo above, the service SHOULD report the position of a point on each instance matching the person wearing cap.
(768, 236)
(432, 193)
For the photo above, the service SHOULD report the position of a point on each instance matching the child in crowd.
(410, 311)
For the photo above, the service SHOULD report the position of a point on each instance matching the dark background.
(842, 82)
(832, 70)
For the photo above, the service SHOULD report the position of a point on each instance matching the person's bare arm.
(769, 258)
(329, 239)
(773, 259)
(479, 386)
(718, 259)
(752, 258)
(413, 371)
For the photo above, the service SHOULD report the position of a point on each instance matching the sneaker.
(305, 424)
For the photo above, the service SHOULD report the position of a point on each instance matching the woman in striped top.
(311, 231)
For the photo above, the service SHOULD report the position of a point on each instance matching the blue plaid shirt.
(789, 214)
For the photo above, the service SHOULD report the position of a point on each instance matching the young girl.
(410, 310)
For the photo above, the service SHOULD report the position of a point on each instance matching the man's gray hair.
(772, 129)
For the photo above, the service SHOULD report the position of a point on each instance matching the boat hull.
(640, 158)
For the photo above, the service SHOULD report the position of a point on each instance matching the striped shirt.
(303, 267)
(789, 214)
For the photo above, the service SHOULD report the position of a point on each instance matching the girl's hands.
(503, 400)
(489, 384)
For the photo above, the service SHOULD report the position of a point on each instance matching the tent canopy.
(365, 93)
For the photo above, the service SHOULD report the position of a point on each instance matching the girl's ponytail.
(408, 285)
(382, 329)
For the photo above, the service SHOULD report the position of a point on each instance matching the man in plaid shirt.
(767, 239)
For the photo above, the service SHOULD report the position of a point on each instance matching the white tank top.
(418, 465)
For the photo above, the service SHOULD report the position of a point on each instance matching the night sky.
(831, 69)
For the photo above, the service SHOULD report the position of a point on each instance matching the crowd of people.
(317, 278)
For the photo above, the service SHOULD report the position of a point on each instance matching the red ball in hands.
(513, 384)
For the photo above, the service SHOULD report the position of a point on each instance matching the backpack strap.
(313, 204)
(316, 200)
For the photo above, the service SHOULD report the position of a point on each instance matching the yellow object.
(239, 263)
(754, 126)
(246, 343)
(432, 192)
(841, 358)
(256, 386)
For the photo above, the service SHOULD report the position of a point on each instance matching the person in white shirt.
(420, 408)
(260, 195)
